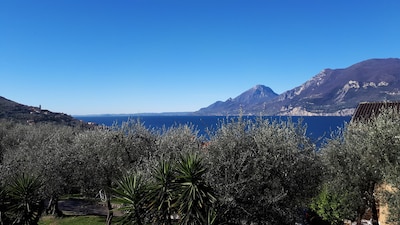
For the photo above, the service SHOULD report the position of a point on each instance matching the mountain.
(332, 92)
(11, 110)
(256, 95)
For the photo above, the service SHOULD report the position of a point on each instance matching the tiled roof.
(366, 110)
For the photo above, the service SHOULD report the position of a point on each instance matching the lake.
(318, 127)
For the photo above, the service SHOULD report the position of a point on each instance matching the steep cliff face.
(338, 92)
(311, 84)
(332, 92)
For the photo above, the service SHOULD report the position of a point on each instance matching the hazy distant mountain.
(330, 92)
(256, 95)
(11, 110)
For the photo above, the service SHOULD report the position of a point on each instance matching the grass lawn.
(73, 220)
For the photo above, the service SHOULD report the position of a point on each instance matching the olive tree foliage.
(263, 171)
(72, 160)
(345, 177)
(359, 159)
(104, 154)
(7, 139)
(139, 143)
(392, 177)
(43, 150)
(330, 205)
(385, 137)
(178, 139)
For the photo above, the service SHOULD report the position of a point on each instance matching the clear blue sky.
(133, 56)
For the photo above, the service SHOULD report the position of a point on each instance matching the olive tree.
(139, 143)
(99, 161)
(105, 154)
(7, 137)
(263, 171)
(360, 159)
(384, 135)
(43, 150)
(178, 139)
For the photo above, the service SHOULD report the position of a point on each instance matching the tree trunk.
(360, 214)
(110, 213)
(374, 210)
(52, 207)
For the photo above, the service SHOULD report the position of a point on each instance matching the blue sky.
(134, 56)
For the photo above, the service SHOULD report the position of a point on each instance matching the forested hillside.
(11, 110)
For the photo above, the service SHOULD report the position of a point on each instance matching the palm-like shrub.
(3, 204)
(195, 197)
(24, 202)
(162, 192)
(130, 192)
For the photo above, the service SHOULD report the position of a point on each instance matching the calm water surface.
(318, 127)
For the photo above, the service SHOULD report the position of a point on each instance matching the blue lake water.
(318, 127)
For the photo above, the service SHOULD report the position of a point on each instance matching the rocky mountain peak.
(257, 93)
(333, 92)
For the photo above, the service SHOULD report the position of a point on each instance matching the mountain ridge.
(331, 92)
(256, 94)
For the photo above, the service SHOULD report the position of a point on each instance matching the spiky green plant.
(130, 192)
(195, 197)
(162, 192)
(3, 204)
(25, 205)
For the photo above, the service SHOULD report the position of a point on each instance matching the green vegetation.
(21, 202)
(72, 220)
(252, 172)
(358, 161)
(130, 192)
(10, 110)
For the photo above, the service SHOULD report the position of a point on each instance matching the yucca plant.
(25, 205)
(213, 218)
(131, 192)
(195, 197)
(162, 192)
(3, 205)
